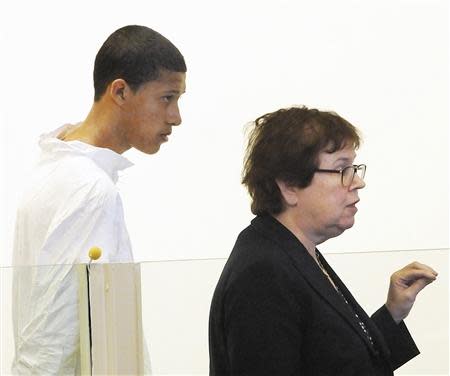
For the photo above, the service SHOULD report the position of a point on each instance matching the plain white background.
(383, 65)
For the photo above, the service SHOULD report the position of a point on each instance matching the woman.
(279, 308)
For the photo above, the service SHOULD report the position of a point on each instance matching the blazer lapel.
(374, 332)
(311, 272)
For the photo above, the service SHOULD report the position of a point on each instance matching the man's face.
(326, 206)
(152, 111)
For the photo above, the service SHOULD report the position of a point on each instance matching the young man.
(72, 202)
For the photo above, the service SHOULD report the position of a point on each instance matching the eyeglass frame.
(355, 168)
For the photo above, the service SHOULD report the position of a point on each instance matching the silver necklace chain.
(360, 322)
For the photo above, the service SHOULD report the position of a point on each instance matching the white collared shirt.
(70, 205)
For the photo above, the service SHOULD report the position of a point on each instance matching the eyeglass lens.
(349, 172)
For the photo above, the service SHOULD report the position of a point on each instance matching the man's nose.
(174, 116)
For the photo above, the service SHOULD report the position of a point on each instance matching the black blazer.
(274, 312)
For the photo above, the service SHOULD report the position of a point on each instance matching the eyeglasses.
(347, 173)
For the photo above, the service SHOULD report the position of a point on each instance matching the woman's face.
(326, 208)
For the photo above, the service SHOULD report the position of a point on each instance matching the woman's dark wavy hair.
(137, 54)
(285, 145)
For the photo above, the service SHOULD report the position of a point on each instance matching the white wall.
(381, 64)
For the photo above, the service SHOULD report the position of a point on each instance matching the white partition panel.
(176, 297)
(367, 275)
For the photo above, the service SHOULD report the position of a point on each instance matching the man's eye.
(167, 98)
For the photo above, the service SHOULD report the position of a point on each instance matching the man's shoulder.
(74, 171)
(76, 181)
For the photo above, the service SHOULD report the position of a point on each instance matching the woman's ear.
(289, 192)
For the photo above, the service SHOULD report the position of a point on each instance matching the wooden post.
(116, 319)
(83, 316)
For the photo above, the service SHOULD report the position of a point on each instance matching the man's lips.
(165, 136)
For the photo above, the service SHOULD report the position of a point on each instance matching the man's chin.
(149, 150)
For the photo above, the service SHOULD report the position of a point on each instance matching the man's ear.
(119, 91)
(288, 191)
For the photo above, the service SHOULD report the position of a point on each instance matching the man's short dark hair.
(285, 145)
(136, 54)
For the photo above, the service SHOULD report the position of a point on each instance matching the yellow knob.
(95, 253)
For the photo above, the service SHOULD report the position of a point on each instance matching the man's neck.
(100, 128)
